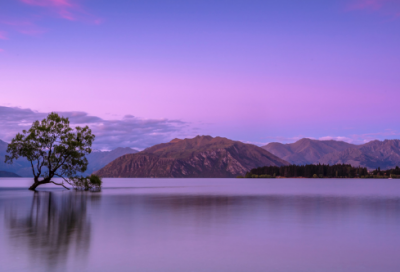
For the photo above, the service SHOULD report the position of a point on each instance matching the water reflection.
(164, 229)
(310, 208)
(55, 228)
(254, 233)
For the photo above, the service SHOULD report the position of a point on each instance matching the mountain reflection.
(55, 227)
(273, 208)
(155, 229)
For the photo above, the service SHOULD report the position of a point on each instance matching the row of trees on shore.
(394, 172)
(320, 171)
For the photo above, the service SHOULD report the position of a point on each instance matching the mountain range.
(205, 156)
(384, 154)
(202, 156)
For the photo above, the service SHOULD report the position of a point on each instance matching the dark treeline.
(391, 172)
(309, 171)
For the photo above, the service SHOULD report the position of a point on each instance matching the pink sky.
(255, 74)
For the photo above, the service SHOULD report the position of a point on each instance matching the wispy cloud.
(51, 3)
(385, 7)
(34, 12)
(25, 27)
(3, 35)
(129, 131)
(1, 50)
(367, 137)
(364, 138)
(337, 138)
(367, 4)
(66, 9)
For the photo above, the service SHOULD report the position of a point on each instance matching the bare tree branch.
(61, 184)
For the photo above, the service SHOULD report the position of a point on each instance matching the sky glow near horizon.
(255, 71)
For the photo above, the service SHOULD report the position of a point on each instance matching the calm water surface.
(202, 225)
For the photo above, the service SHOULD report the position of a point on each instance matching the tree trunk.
(34, 186)
(37, 183)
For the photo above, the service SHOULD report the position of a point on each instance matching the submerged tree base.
(90, 183)
(34, 186)
(39, 182)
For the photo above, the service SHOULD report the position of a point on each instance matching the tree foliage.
(394, 173)
(53, 148)
(92, 183)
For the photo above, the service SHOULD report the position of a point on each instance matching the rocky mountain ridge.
(384, 154)
(202, 156)
(306, 151)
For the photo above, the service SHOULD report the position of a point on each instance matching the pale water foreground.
(203, 225)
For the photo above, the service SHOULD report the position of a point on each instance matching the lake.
(280, 225)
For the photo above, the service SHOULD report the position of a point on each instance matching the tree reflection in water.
(56, 226)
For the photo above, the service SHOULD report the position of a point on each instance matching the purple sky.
(256, 71)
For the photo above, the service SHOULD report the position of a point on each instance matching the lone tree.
(54, 149)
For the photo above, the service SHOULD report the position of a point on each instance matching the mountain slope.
(306, 151)
(383, 154)
(6, 174)
(99, 159)
(21, 167)
(202, 156)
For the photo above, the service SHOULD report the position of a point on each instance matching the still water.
(202, 225)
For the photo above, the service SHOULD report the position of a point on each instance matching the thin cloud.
(367, 4)
(129, 131)
(364, 138)
(3, 35)
(368, 137)
(389, 8)
(65, 9)
(46, 3)
(337, 138)
(36, 11)
(25, 27)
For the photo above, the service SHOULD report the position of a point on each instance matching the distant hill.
(5, 174)
(21, 167)
(202, 156)
(97, 160)
(383, 154)
(306, 151)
